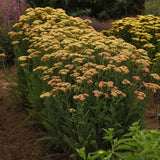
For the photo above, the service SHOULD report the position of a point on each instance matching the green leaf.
(70, 141)
(82, 153)
(121, 141)
(109, 134)
(109, 156)
(93, 157)
(45, 138)
(123, 147)
(126, 156)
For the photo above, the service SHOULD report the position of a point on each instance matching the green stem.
(5, 72)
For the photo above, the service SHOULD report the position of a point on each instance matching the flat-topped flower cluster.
(142, 31)
(86, 80)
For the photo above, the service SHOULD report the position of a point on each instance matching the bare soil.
(17, 139)
(152, 114)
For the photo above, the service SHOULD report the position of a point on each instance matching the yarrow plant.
(77, 80)
(142, 31)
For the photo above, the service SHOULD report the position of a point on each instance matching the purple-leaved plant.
(10, 11)
(96, 24)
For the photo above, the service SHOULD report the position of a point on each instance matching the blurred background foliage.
(10, 11)
(102, 9)
(152, 7)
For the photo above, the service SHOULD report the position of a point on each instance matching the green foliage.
(5, 45)
(75, 9)
(77, 80)
(152, 7)
(142, 32)
(137, 144)
(118, 8)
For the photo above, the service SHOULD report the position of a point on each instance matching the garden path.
(152, 114)
(17, 140)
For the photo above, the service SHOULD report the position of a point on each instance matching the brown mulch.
(152, 114)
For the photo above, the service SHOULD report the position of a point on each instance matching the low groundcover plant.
(137, 144)
(78, 81)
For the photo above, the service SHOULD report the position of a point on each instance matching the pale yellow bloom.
(45, 94)
(155, 76)
(125, 81)
(15, 42)
(72, 110)
(140, 95)
(137, 78)
(110, 83)
(22, 58)
(80, 97)
(97, 93)
(2, 55)
(23, 64)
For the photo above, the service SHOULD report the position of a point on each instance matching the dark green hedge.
(97, 8)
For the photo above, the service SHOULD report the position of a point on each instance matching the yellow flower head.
(2, 55)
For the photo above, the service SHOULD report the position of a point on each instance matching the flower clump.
(81, 69)
(142, 31)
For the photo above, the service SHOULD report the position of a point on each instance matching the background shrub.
(77, 80)
(117, 8)
(76, 9)
(141, 31)
(94, 8)
(10, 11)
(152, 7)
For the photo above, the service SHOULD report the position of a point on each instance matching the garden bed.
(17, 139)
